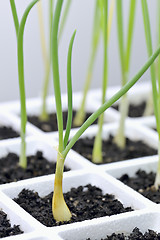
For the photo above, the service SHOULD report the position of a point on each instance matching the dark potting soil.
(5, 227)
(143, 183)
(51, 124)
(135, 235)
(85, 203)
(37, 165)
(110, 151)
(134, 110)
(7, 132)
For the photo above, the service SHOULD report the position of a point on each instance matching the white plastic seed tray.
(33, 144)
(11, 120)
(74, 179)
(144, 220)
(34, 107)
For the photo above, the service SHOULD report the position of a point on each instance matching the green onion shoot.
(125, 53)
(60, 210)
(46, 57)
(155, 83)
(80, 115)
(97, 148)
(47, 54)
(20, 32)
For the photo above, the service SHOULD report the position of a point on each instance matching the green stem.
(130, 34)
(120, 138)
(64, 18)
(47, 61)
(51, 7)
(158, 70)
(97, 148)
(100, 6)
(69, 89)
(80, 115)
(112, 100)
(157, 179)
(149, 48)
(105, 62)
(110, 17)
(23, 161)
(55, 67)
(15, 16)
(44, 114)
(125, 57)
(42, 34)
(121, 38)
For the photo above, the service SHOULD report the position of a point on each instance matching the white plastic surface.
(144, 220)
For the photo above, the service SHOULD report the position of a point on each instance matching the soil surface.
(85, 203)
(135, 235)
(134, 110)
(7, 132)
(5, 227)
(110, 151)
(37, 165)
(143, 183)
(51, 124)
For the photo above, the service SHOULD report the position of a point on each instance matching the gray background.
(80, 18)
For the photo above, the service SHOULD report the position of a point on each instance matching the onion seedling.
(80, 115)
(97, 147)
(156, 92)
(155, 83)
(20, 32)
(47, 56)
(125, 53)
(46, 59)
(60, 210)
(152, 99)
